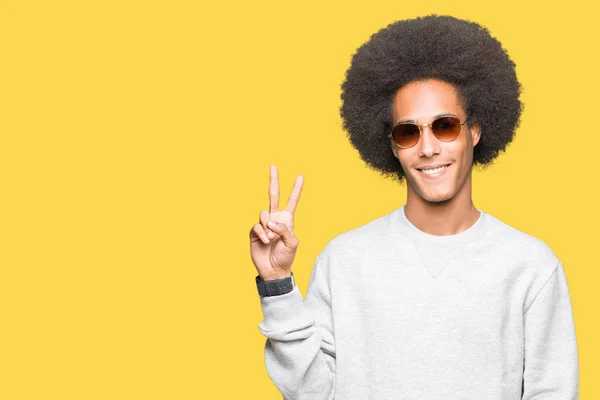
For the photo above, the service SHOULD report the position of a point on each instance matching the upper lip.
(431, 166)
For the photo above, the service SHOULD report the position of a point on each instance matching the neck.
(442, 218)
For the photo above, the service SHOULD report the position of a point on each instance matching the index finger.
(295, 195)
(273, 190)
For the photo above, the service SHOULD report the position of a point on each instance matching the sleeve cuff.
(283, 311)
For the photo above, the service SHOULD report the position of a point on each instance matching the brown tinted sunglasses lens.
(406, 135)
(445, 129)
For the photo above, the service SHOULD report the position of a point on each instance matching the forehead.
(420, 101)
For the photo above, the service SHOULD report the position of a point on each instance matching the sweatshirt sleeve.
(551, 370)
(300, 348)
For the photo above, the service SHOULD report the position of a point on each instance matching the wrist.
(275, 276)
(276, 286)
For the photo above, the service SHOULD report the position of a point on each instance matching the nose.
(428, 143)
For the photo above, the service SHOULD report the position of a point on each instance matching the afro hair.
(456, 51)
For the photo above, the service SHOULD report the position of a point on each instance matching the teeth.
(434, 170)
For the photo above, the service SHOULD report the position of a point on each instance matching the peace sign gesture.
(273, 247)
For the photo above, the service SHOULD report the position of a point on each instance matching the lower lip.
(435, 176)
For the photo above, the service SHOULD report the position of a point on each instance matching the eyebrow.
(448, 114)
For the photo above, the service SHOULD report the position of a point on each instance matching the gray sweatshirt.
(392, 312)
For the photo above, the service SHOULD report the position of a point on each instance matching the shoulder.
(351, 244)
(531, 258)
(520, 244)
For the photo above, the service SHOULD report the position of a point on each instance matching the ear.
(475, 130)
(394, 148)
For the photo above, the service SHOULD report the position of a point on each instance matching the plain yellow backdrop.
(136, 139)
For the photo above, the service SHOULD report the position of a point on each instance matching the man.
(437, 299)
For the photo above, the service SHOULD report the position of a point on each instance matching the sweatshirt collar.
(403, 225)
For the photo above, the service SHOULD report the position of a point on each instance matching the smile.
(434, 172)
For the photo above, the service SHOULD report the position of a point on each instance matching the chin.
(431, 192)
(438, 197)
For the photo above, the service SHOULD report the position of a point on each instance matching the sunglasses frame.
(420, 126)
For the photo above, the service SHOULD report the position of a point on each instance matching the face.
(420, 102)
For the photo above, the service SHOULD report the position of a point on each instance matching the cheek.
(405, 166)
(406, 158)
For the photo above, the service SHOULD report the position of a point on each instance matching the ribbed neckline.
(403, 225)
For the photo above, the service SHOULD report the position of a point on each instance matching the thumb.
(282, 230)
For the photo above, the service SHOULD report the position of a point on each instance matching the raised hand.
(273, 247)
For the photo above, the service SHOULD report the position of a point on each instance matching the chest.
(462, 301)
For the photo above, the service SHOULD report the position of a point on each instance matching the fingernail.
(271, 224)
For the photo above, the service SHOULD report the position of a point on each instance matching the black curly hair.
(460, 52)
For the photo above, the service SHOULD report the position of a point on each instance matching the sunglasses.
(445, 128)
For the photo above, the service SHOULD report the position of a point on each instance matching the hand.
(273, 248)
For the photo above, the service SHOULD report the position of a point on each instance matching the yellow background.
(136, 139)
